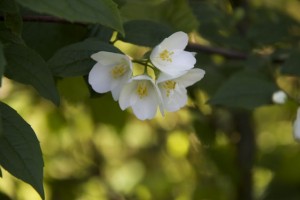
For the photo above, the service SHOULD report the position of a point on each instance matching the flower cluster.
(173, 68)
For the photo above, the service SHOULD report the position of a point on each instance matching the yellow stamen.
(165, 55)
(118, 71)
(169, 86)
(142, 90)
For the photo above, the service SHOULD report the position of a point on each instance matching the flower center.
(118, 71)
(169, 86)
(142, 90)
(165, 55)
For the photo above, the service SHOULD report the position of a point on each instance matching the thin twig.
(214, 50)
(46, 19)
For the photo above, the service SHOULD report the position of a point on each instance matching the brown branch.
(227, 53)
(46, 19)
(214, 50)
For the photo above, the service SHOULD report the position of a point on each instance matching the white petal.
(143, 77)
(146, 107)
(191, 77)
(116, 92)
(109, 58)
(296, 130)
(117, 84)
(177, 40)
(176, 99)
(100, 79)
(125, 95)
(184, 60)
(164, 77)
(181, 62)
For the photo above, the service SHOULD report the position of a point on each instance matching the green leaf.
(14, 22)
(179, 14)
(103, 33)
(8, 6)
(7, 37)
(291, 65)
(175, 13)
(20, 152)
(0, 173)
(145, 32)
(246, 89)
(270, 27)
(217, 26)
(104, 12)
(39, 36)
(74, 60)
(26, 66)
(12, 18)
(2, 62)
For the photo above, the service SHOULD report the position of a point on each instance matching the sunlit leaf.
(104, 12)
(246, 89)
(20, 152)
(26, 66)
(74, 60)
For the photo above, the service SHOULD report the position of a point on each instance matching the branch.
(214, 50)
(46, 19)
(227, 53)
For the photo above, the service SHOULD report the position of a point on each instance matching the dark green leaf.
(204, 129)
(217, 26)
(101, 32)
(74, 60)
(291, 66)
(176, 13)
(7, 37)
(8, 6)
(0, 173)
(20, 152)
(2, 62)
(26, 66)
(14, 22)
(245, 89)
(104, 12)
(145, 32)
(40, 36)
(271, 27)
(179, 14)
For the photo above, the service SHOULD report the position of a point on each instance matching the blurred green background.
(95, 151)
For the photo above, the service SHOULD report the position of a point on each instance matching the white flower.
(173, 89)
(296, 130)
(142, 95)
(169, 56)
(279, 97)
(110, 73)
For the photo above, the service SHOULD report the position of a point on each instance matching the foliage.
(249, 50)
